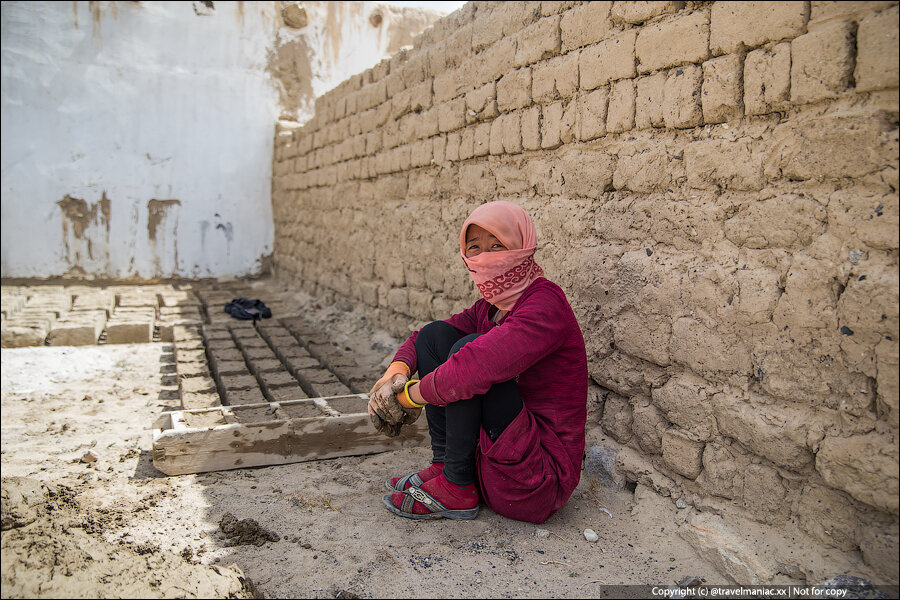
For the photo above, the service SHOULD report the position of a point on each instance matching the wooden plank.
(272, 433)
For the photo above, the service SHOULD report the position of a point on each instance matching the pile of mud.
(53, 547)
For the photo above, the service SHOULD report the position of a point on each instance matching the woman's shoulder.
(546, 288)
(544, 291)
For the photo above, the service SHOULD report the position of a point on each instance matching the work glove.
(385, 411)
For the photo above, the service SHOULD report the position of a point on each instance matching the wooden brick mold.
(271, 433)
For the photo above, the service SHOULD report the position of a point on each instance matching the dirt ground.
(115, 526)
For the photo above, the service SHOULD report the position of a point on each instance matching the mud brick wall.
(714, 184)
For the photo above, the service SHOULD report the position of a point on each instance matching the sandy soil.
(117, 527)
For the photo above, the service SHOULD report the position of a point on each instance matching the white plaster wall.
(159, 116)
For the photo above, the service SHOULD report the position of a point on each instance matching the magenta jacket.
(533, 467)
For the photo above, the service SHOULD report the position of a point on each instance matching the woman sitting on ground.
(503, 384)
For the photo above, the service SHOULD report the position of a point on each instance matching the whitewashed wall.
(137, 136)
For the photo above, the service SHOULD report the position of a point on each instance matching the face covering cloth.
(502, 276)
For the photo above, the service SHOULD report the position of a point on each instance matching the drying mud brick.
(77, 328)
(18, 336)
(236, 397)
(287, 392)
(124, 331)
(198, 400)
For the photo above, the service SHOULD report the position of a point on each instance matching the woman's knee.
(434, 336)
(462, 342)
(436, 330)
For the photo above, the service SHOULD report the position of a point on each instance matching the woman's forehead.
(474, 230)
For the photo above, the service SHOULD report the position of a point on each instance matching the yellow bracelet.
(404, 397)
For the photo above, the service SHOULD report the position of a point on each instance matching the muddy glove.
(383, 427)
(386, 414)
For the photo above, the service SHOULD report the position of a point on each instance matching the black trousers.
(455, 429)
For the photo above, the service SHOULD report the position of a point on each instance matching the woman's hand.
(385, 412)
(383, 400)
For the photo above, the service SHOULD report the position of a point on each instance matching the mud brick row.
(30, 330)
(104, 301)
(131, 325)
(11, 304)
(30, 325)
(171, 316)
(198, 392)
(58, 304)
(275, 380)
(138, 299)
(225, 359)
(78, 328)
(313, 376)
(196, 384)
(344, 368)
(236, 384)
(178, 299)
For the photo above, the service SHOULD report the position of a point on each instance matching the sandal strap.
(425, 499)
(413, 479)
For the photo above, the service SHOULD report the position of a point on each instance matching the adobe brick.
(481, 103)
(592, 114)
(720, 96)
(496, 61)
(822, 63)
(531, 128)
(482, 139)
(681, 97)
(639, 12)
(676, 41)
(514, 90)
(767, 80)
(584, 25)
(447, 85)
(739, 26)
(608, 60)
(827, 12)
(486, 29)
(538, 41)
(648, 102)
(496, 138)
(451, 115)
(620, 112)
(877, 54)
(467, 143)
(420, 96)
(512, 133)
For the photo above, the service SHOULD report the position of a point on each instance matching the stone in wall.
(864, 466)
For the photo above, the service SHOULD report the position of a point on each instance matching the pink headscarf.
(501, 277)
